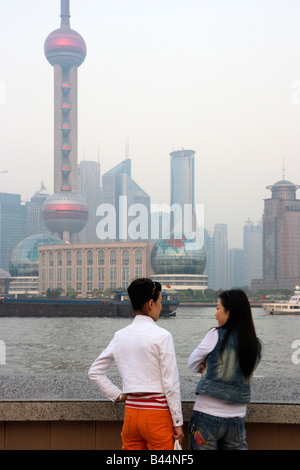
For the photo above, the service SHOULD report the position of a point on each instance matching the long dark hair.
(141, 290)
(240, 320)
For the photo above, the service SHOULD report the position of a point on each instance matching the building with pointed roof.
(34, 219)
(118, 183)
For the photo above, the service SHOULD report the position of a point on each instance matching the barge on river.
(118, 306)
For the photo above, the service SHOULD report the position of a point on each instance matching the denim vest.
(222, 377)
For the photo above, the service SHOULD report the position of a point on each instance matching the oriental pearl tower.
(65, 212)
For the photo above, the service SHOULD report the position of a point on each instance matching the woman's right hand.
(121, 397)
(178, 434)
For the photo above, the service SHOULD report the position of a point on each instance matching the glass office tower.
(179, 261)
(12, 225)
(182, 177)
(182, 190)
(117, 183)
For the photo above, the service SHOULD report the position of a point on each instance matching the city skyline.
(221, 79)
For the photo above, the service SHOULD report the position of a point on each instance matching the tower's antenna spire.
(283, 170)
(65, 13)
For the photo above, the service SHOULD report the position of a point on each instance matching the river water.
(33, 346)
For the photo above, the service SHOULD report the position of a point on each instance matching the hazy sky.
(221, 77)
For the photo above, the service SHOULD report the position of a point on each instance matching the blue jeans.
(209, 432)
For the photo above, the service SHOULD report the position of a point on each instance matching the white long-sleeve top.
(145, 357)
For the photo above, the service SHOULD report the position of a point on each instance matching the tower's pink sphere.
(65, 212)
(65, 47)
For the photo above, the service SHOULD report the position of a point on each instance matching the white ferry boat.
(289, 307)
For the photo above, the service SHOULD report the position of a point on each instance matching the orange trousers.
(147, 430)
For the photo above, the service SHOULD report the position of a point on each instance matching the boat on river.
(118, 306)
(288, 307)
(169, 303)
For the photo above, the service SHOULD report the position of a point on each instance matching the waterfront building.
(90, 190)
(5, 280)
(179, 264)
(12, 226)
(24, 264)
(65, 212)
(281, 240)
(86, 267)
(23, 286)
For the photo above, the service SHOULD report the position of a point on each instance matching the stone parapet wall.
(69, 412)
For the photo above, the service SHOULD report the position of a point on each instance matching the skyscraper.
(252, 245)
(179, 258)
(113, 182)
(65, 212)
(12, 225)
(117, 183)
(182, 187)
(35, 223)
(236, 271)
(281, 241)
(89, 188)
(219, 253)
(182, 177)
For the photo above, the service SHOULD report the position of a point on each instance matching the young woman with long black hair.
(226, 358)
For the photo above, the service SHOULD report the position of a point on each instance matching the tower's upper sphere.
(65, 212)
(65, 47)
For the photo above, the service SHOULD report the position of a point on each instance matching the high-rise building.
(113, 182)
(252, 245)
(182, 186)
(182, 177)
(90, 190)
(281, 240)
(12, 226)
(236, 271)
(179, 259)
(34, 220)
(65, 212)
(219, 255)
(125, 195)
(208, 246)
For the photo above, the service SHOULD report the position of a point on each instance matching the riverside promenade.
(68, 412)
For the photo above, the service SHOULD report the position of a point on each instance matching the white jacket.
(145, 357)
